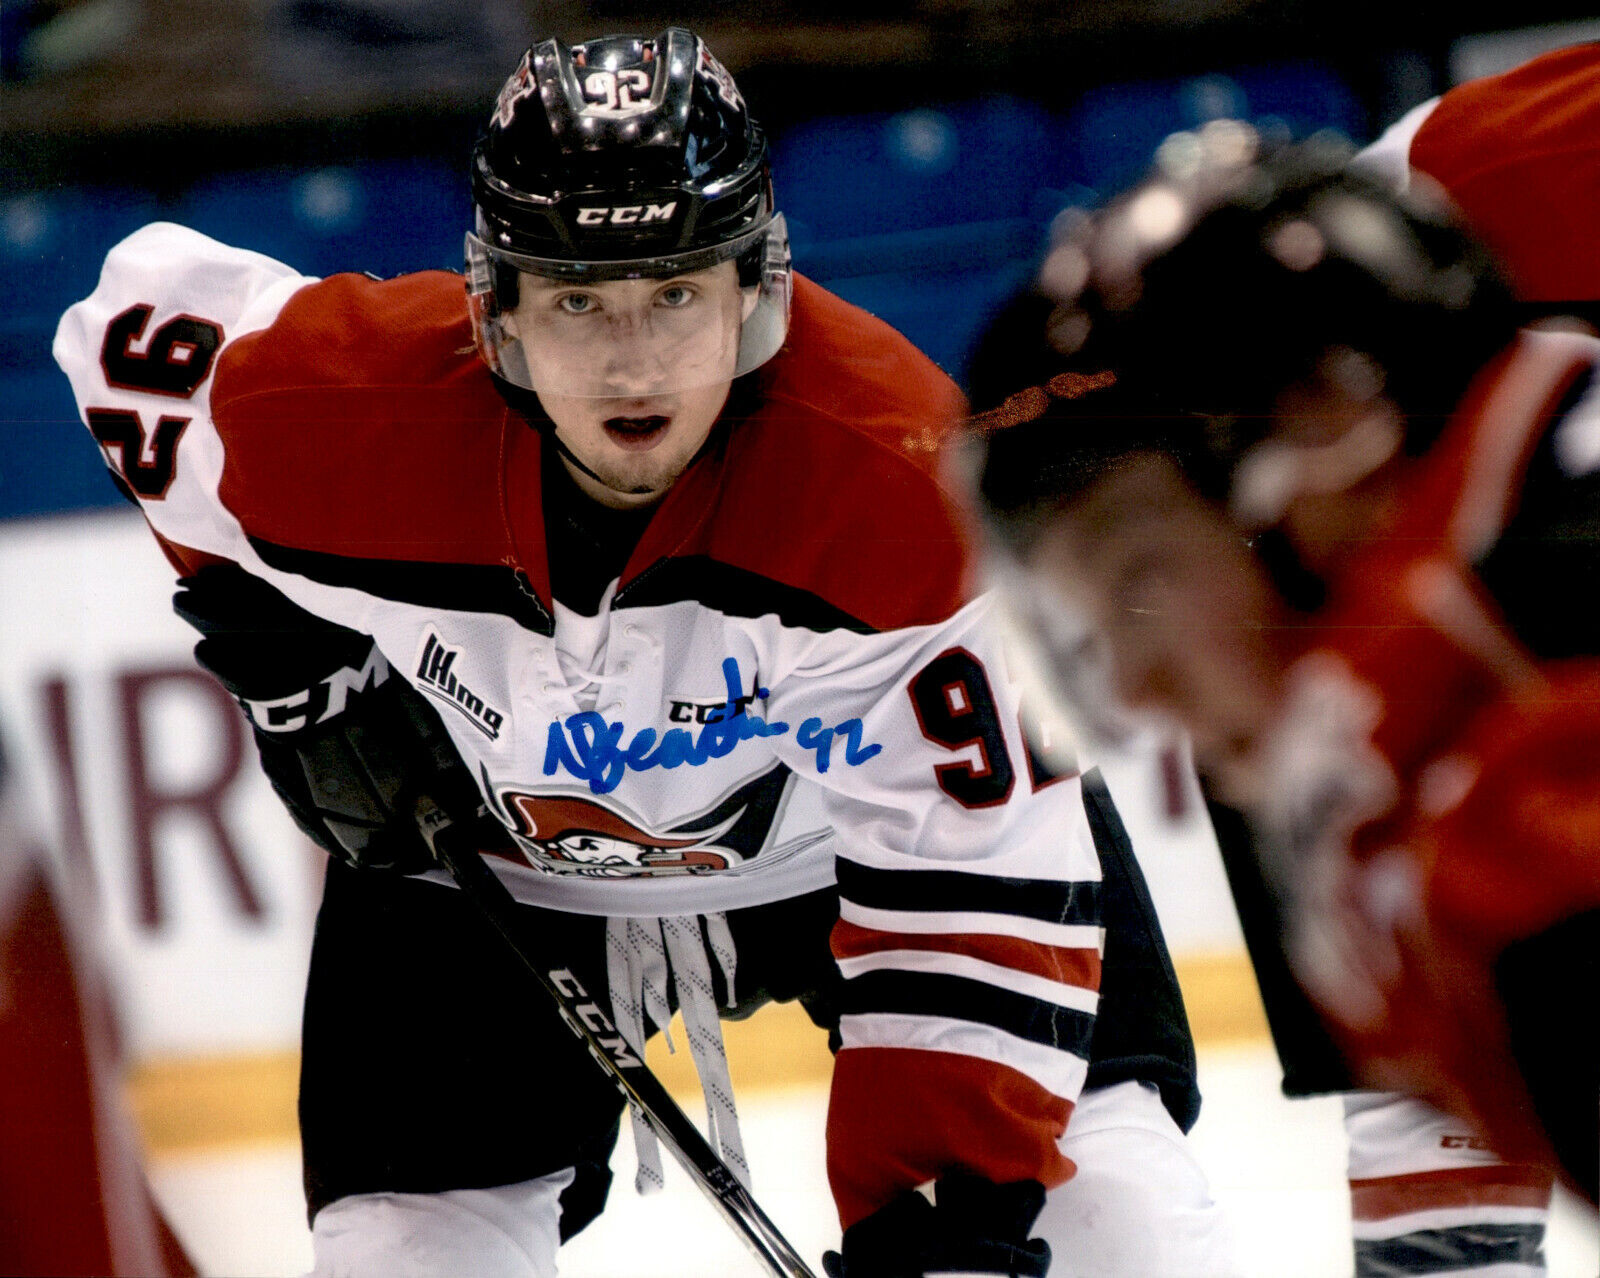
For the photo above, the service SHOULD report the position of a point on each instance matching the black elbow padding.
(1541, 981)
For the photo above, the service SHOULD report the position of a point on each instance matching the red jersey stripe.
(1079, 967)
(1498, 1185)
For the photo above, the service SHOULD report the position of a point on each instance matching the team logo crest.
(575, 834)
(719, 77)
(519, 86)
(584, 837)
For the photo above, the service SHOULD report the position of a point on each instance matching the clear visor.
(629, 329)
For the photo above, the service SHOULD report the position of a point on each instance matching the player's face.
(1191, 623)
(632, 372)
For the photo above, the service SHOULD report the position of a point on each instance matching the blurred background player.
(73, 1197)
(1518, 153)
(545, 556)
(1341, 330)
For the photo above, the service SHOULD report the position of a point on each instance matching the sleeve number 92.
(956, 709)
(176, 360)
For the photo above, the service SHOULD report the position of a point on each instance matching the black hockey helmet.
(1045, 427)
(623, 158)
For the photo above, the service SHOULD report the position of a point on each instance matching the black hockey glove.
(973, 1227)
(346, 742)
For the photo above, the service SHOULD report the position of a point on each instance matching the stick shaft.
(584, 1016)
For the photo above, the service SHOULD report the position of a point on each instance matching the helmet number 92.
(617, 93)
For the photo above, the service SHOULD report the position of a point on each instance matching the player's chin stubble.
(641, 477)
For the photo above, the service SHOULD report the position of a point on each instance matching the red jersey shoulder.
(843, 363)
(1520, 154)
(831, 486)
(1399, 610)
(1462, 492)
(351, 331)
(362, 423)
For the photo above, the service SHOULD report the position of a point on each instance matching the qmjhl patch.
(437, 677)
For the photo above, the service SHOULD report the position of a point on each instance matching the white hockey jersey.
(786, 686)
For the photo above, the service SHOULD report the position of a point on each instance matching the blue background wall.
(928, 217)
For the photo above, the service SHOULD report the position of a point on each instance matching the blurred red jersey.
(73, 1198)
(1455, 669)
(1519, 153)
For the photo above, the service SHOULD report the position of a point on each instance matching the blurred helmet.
(1238, 268)
(625, 159)
(1170, 322)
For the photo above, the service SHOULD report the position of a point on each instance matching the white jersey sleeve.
(1388, 160)
(968, 897)
(141, 352)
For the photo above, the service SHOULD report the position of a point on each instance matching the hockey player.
(1519, 155)
(1327, 521)
(609, 554)
(1427, 1195)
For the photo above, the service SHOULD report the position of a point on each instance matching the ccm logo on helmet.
(627, 214)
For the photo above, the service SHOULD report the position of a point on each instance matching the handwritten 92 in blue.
(591, 749)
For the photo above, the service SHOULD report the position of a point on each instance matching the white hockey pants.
(1139, 1206)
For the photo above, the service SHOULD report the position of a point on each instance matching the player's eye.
(576, 303)
(675, 295)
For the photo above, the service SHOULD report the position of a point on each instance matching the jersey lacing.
(587, 677)
(581, 655)
(639, 953)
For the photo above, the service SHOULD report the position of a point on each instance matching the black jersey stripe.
(938, 891)
(491, 588)
(964, 999)
(1438, 1251)
(734, 592)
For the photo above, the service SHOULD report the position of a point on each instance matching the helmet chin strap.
(561, 447)
(548, 428)
(742, 396)
(526, 404)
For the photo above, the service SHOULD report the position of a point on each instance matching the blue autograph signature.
(591, 749)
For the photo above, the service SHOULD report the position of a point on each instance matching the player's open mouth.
(637, 432)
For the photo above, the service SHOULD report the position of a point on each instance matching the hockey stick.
(585, 1018)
